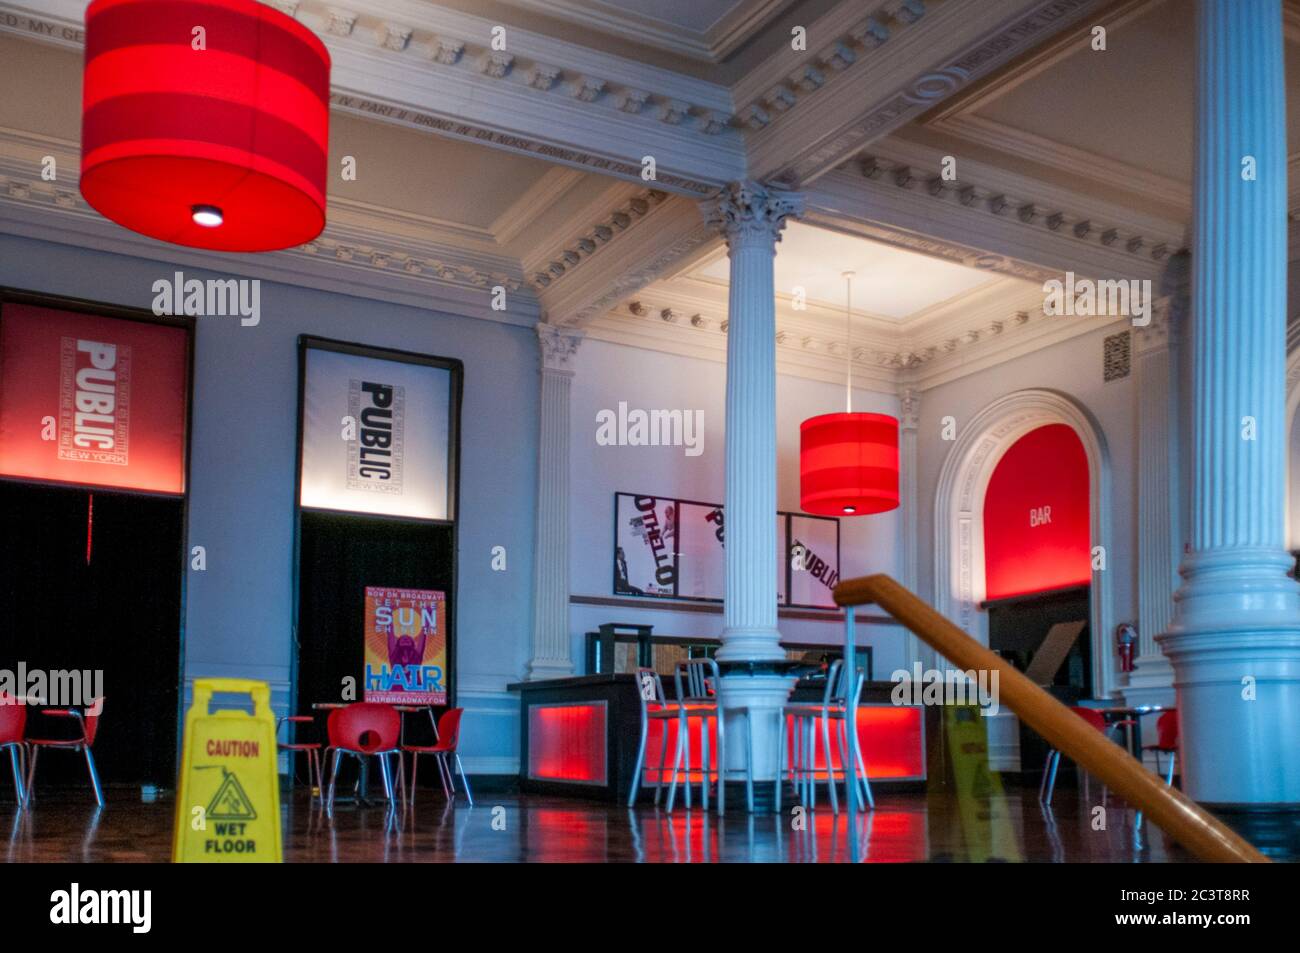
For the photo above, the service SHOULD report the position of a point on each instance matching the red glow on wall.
(1036, 518)
(567, 743)
(92, 400)
(892, 740)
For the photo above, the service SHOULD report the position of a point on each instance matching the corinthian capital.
(558, 346)
(752, 212)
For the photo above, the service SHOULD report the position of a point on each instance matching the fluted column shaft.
(1235, 638)
(750, 217)
(551, 655)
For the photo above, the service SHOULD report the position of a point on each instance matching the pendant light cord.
(848, 342)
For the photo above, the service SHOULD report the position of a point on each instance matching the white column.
(1159, 532)
(909, 422)
(551, 656)
(1235, 638)
(750, 217)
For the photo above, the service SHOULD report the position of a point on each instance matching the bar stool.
(650, 689)
(803, 770)
(693, 698)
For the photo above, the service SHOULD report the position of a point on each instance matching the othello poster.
(405, 646)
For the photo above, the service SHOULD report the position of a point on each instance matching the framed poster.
(676, 549)
(93, 399)
(378, 431)
(701, 558)
(814, 560)
(645, 546)
(405, 646)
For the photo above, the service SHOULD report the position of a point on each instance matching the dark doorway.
(1017, 627)
(340, 554)
(115, 608)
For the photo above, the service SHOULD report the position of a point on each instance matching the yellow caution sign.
(228, 798)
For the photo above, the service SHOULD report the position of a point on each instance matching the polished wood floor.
(64, 826)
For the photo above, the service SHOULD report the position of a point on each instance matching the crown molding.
(1019, 235)
(365, 252)
(886, 69)
(591, 222)
(543, 194)
(418, 65)
(710, 46)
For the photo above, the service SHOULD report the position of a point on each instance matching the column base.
(542, 669)
(764, 695)
(1234, 645)
(1274, 829)
(751, 644)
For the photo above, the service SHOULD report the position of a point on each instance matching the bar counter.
(579, 735)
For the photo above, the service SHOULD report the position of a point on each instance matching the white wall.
(607, 373)
(239, 612)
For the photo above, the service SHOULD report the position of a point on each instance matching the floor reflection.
(912, 827)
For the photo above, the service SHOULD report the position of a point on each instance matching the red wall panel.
(1036, 517)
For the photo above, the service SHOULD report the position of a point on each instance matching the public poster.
(814, 560)
(405, 646)
(645, 546)
(92, 400)
(376, 436)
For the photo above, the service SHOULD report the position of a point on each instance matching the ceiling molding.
(541, 196)
(668, 237)
(426, 67)
(889, 68)
(711, 46)
(561, 261)
(366, 252)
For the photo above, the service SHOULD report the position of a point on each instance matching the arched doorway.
(961, 583)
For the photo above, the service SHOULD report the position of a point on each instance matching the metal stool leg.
(749, 761)
(94, 777)
(469, 796)
(663, 761)
(722, 765)
(830, 768)
(677, 760)
(704, 763)
(780, 758)
(1051, 781)
(640, 762)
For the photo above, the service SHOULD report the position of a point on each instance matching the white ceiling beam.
(870, 69)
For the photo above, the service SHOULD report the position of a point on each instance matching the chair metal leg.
(1042, 781)
(640, 762)
(384, 776)
(415, 772)
(461, 768)
(31, 775)
(1051, 780)
(1169, 772)
(19, 791)
(810, 752)
(334, 777)
(866, 781)
(94, 777)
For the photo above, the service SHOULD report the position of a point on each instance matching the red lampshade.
(848, 464)
(236, 132)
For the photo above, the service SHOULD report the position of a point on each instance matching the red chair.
(1166, 743)
(448, 738)
(312, 749)
(13, 721)
(362, 730)
(1047, 786)
(89, 723)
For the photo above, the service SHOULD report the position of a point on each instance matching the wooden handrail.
(1179, 816)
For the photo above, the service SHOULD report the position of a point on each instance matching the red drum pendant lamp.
(205, 122)
(848, 463)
